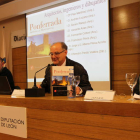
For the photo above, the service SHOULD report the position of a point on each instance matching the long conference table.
(60, 118)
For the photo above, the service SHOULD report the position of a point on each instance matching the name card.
(100, 95)
(13, 121)
(136, 96)
(18, 93)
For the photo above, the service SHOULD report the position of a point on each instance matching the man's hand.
(39, 86)
(78, 90)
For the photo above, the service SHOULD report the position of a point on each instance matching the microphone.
(35, 87)
(35, 91)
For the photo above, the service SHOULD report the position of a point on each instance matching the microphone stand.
(35, 87)
(35, 91)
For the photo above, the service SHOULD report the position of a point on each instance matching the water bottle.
(71, 93)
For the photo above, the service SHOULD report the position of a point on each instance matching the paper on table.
(18, 93)
(136, 96)
(100, 95)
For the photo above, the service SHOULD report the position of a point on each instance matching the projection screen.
(84, 26)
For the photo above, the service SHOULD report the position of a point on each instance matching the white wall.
(14, 24)
(19, 7)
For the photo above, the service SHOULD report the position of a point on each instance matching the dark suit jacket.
(78, 70)
(8, 74)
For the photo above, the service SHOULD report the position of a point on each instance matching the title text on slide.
(88, 3)
(44, 25)
(58, 21)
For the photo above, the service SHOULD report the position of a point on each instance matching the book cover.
(59, 80)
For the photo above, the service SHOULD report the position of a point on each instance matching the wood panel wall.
(19, 67)
(125, 44)
(125, 48)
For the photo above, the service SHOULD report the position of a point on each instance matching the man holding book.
(58, 53)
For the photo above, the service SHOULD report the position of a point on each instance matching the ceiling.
(5, 1)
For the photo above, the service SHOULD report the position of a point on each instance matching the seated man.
(58, 52)
(5, 72)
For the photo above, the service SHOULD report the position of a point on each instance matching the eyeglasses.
(56, 53)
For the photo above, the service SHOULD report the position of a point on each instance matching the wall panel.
(19, 66)
(125, 44)
(121, 88)
(19, 56)
(124, 64)
(19, 72)
(125, 41)
(125, 17)
(21, 85)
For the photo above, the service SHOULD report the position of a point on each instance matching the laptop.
(5, 88)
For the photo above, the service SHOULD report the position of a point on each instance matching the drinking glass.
(71, 93)
(131, 80)
(76, 80)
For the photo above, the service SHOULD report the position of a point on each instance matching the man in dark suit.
(5, 72)
(58, 53)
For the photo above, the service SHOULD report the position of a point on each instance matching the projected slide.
(83, 25)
